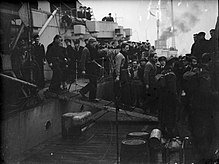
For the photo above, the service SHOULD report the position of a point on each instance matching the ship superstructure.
(48, 19)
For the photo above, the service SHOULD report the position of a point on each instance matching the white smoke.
(183, 22)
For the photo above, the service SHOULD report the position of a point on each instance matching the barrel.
(155, 146)
(133, 151)
(138, 135)
(155, 139)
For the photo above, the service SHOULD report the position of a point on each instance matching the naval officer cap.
(162, 58)
(92, 40)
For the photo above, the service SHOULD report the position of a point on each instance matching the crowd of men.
(176, 88)
(183, 88)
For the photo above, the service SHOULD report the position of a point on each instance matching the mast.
(172, 23)
(158, 22)
(158, 25)
(30, 35)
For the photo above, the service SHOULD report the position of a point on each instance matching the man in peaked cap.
(39, 55)
(110, 18)
(89, 68)
(162, 61)
(55, 58)
(167, 101)
(149, 80)
(202, 46)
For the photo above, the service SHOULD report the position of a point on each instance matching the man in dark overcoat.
(55, 56)
(39, 56)
(89, 68)
(150, 84)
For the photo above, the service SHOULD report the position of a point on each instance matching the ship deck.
(96, 145)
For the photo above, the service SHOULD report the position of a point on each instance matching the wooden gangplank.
(106, 105)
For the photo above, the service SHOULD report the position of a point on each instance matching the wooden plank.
(103, 105)
(134, 114)
(113, 109)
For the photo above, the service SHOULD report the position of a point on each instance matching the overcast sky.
(190, 16)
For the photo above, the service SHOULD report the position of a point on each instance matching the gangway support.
(47, 22)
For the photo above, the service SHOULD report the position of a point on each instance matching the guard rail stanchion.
(103, 71)
(76, 74)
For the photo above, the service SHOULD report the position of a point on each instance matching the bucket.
(133, 151)
(138, 135)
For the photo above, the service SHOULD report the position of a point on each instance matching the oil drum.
(155, 146)
(155, 139)
(133, 151)
(138, 135)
